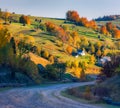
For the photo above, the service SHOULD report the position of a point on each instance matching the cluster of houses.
(101, 61)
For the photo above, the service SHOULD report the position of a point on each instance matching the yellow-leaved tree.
(6, 16)
(4, 37)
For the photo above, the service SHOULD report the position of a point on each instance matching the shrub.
(42, 27)
(30, 69)
(101, 92)
(87, 94)
(55, 71)
(111, 68)
(75, 92)
(52, 72)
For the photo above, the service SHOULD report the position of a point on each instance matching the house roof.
(104, 59)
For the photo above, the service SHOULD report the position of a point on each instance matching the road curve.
(41, 97)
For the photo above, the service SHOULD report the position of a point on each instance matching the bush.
(55, 71)
(42, 27)
(87, 94)
(52, 72)
(101, 92)
(111, 68)
(30, 69)
(75, 92)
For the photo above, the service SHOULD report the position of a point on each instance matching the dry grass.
(38, 60)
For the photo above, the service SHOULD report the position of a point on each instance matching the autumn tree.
(93, 25)
(75, 37)
(27, 20)
(24, 20)
(77, 71)
(109, 26)
(98, 53)
(92, 59)
(61, 34)
(69, 49)
(4, 37)
(104, 53)
(69, 63)
(103, 30)
(98, 45)
(92, 49)
(75, 64)
(83, 66)
(72, 16)
(116, 33)
(50, 27)
(84, 42)
(51, 59)
(70, 38)
(84, 22)
(56, 30)
(6, 16)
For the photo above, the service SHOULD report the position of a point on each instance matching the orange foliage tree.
(72, 16)
(50, 27)
(69, 49)
(109, 26)
(25, 20)
(103, 30)
(116, 33)
(93, 25)
(83, 21)
(57, 31)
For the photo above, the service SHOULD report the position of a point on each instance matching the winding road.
(41, 97)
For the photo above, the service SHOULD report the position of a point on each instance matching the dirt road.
(41, 97)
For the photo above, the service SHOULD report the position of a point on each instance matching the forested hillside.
(56, 44)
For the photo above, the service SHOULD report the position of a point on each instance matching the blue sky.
(58, 8)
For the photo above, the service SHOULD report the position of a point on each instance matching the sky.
(58, 8)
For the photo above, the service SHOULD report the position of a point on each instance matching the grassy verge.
(101, 104)
(5, 88)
